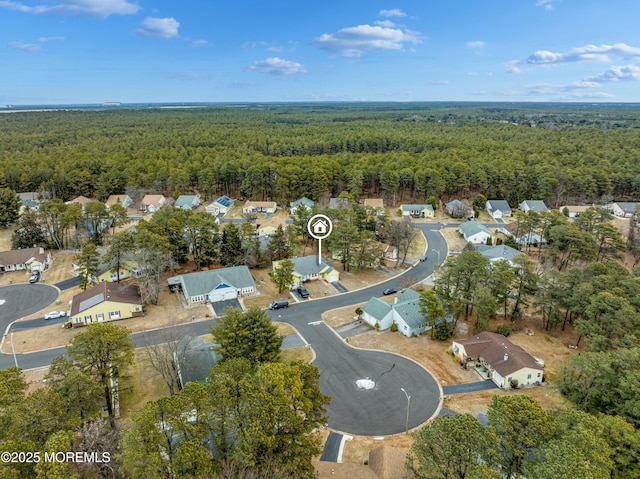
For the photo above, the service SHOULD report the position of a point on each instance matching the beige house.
(152, 203)
(384, 462)
(31, 259)
(259, 207)
(306, 268)
(124, 200)
(503, 361)
(106, 302)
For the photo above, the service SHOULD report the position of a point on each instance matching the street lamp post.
(406, 427)
(13, 350)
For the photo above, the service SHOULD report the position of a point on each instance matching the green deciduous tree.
(88, 262)
(248, 335)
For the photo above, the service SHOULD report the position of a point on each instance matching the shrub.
(377, 325)
(394, 327)
(514, 384)
(359, 311)
(504, 330)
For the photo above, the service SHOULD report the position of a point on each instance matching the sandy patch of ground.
(455, 242)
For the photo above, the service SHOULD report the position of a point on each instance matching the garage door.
(223, 294)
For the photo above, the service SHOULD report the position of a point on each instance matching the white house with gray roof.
(533, 205)
(497, 253)
(304, 201)
(623, 209)
(474, 232)
(404, 311)
(498, 208)
(215, 285)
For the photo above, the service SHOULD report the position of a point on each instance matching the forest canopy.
(403, 152)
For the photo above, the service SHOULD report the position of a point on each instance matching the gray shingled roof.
(628, 207)
(471, 228)
(306, 265)
(498, 252)
(195, 284)
(536, 205)
(195, 358)
(377, 308)
(501, 205)
(302, 201)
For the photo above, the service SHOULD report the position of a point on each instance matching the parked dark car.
(389, 291)
(302, 291)
(279, 303)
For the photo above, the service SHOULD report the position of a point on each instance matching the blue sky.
(92, 51)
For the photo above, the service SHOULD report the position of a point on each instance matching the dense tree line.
(553, 153)
(523, 440)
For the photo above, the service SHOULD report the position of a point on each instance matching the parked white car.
(55, 315)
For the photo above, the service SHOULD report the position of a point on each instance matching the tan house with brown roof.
(385, 462)
(81, 200)
(259, 207)
(124, 200)
(25, 259)
(152, 203)
(106, 302)
(503, 360)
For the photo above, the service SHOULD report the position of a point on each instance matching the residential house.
(221, 206)
(497, 253)
(106, 302)
(29, 199)
(81, 200)
(573, 211)
(31, 259)
(306, 202)
(498, 209)
(123, 200)
(384, 462)
(306, 268)
(129, 268)
(266, 230)
(533, 205)
(459, 209)
(214, 285)
(623, 209)
(338, 203)
(259, 207)
(422, 211)
(504, 361)
(152, 203)
(193, 358)
(374, 204)
(404, 312)
(530, 238)
(389, 252)
(475, 232)
(187, 202)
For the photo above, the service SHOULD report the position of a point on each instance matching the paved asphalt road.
(378, 411)
(20, 300)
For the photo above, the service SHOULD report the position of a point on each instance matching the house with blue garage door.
(214, 285)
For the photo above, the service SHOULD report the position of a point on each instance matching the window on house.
(99, 317)
(87, 319)
(114, 314)
(539, 374)
(529, 376)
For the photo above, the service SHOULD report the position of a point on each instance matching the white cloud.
(546, 4)
(27, 47)
(600, 53)
(439, 82)
(277, 66)
(159, 27)
(354, 41)
(34, 47)
(617, 73)
(80, 8)
(476, 44)
(395, 12)
(199, 43)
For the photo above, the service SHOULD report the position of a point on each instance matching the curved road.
(371, 412)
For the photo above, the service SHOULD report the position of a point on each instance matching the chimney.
(506, 356)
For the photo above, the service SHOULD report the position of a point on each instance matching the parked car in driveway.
(55, 315)
(302, 291)
(35, 276)
(389, 291)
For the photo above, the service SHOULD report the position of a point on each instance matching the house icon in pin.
(320, 227)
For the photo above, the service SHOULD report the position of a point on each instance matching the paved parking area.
(340, 287)
(220, 306)
(485, 385)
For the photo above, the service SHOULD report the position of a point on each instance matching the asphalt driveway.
(20, 300)
(485, 385)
